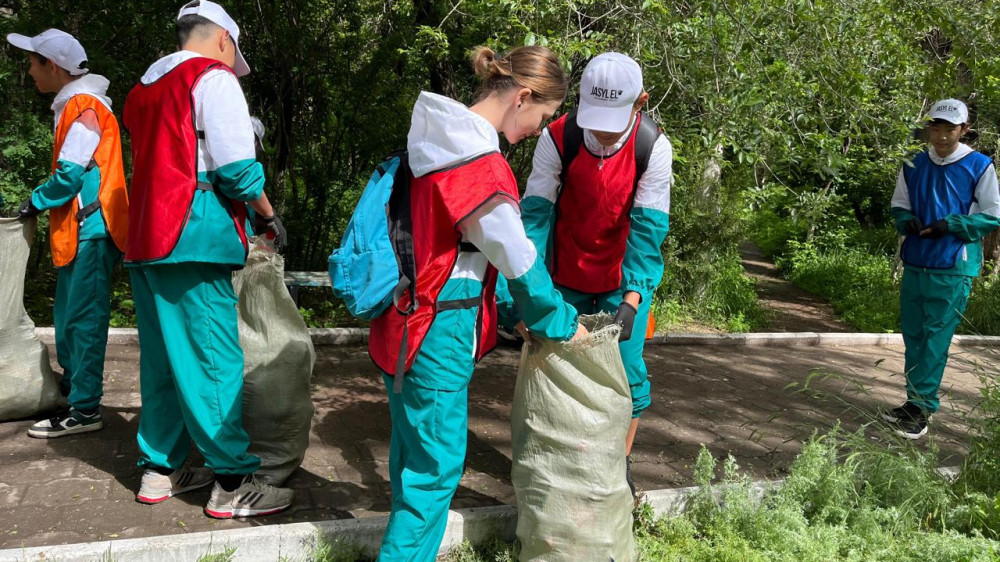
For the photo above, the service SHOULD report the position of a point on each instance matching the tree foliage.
(790, 110)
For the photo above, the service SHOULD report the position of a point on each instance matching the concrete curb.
(295, 541)
(358, 336)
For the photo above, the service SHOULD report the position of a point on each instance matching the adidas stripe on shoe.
(253, 498)
(156, 487)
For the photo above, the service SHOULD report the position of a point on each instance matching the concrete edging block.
(359, 336)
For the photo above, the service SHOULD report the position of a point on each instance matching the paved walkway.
(733, 399)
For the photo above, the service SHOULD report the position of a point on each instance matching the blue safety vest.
(937, 191)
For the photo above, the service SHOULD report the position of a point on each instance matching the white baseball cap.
(217, 15)
(58, 46)
(950, 110)
(611, 83)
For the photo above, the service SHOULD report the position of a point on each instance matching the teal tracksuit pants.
(82, 312)
(931, 306)
(191, 367)
(632, 348)
(429, 432)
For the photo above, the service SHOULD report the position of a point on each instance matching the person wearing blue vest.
(945, 202)
(597, 207)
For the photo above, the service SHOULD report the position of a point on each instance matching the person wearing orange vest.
(88, 220)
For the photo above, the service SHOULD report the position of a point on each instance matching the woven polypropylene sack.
(27, 385)
(278, 363)
(569, 420)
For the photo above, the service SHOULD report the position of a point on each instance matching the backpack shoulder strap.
(646, 135)
(572, 141)
(401, 230)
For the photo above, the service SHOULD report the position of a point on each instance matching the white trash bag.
(278, 363)
(571, 413)
(27, 385)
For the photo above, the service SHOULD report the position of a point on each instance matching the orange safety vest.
(64, 224)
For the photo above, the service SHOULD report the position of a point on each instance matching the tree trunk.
(442, 75)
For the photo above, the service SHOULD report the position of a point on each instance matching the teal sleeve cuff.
(642, 268)
(242, 180)
(972, 228)
(61, 187)
(901, 216)
(538, 217)
(540, 306)
(507, 315)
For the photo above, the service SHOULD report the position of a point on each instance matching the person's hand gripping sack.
(272, 228)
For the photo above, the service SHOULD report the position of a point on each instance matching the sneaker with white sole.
(914, 428)
(67, 423)
(156, 487)
(252, 499)
(907, 412)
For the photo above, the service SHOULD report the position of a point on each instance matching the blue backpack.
(374, 265)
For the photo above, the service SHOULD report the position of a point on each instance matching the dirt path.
(794, 310)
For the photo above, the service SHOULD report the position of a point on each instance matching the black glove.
(625, 317)
(913, 226)
(27, 210)
(272, 227)
(937, 229)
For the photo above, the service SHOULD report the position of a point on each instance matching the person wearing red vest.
(195, 172)
(597, 208)
(88, 221)
(466, 231)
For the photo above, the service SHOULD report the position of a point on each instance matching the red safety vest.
(592, 216)
(439, 202)
(160, 120)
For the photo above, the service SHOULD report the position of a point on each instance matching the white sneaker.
(156, 487)
(68, 423)
(252, 499)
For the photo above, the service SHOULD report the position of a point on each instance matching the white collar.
(91, 84)
(962, 151)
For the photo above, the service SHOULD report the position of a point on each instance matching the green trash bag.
(278, 359)
(27, 385)
(571, 412)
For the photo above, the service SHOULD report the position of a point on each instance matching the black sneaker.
(914, 428)
(67, 423)
(628, 474)
(907, 412)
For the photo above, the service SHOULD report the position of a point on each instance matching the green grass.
(721, 296)
(857, 283)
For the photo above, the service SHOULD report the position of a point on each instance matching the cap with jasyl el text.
(950, 110)
(611, 84)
